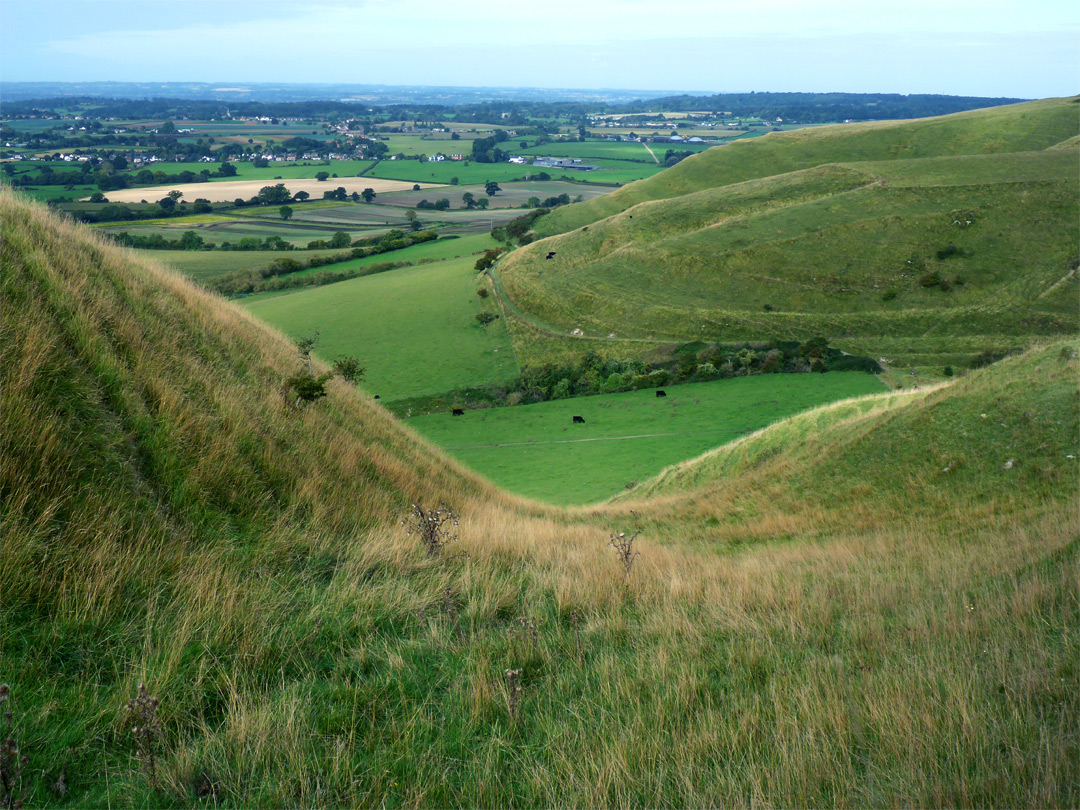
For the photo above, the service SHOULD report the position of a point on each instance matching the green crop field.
(537, 450)
(413, 328)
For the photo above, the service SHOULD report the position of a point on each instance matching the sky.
(989, 48)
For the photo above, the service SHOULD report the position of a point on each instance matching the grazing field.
(864, 251)
(605, 150)
(538, 451)
(227, 191)
(413, 328)
(205, 265)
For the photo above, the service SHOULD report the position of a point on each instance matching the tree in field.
(482, 203)
(368, 194)
(321, 176)
(468, 199)
(349, 369)
(167, 203)
(414, 220)
(300, 196)
(191, 241)
(286, 212)
(340, 239)
(273, 195)
(491, 187)
(175, 195)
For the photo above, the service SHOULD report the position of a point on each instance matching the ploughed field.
(229, 190)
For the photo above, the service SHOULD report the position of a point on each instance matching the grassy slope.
(894, 636)
(413, 328)
(537, 451)
(815, 250)
(1015, 128)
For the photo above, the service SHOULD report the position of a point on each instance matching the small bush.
(931, 279)
(482, 292)
(888, 295)
(948, 371)
(485, 317)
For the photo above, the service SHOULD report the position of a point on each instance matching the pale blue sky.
(989, 48)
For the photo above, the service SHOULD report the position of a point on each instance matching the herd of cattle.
(578, 420)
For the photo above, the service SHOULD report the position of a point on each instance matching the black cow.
(579, 420)
(376, 396)
(551, 254)
(661, 393)
(459, 412)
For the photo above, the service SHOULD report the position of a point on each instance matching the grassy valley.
(870, 604)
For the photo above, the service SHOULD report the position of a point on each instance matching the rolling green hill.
(867, 611)
(1026, 127)
(924, 260)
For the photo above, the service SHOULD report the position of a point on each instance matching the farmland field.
(511, 195)
(537, 451)
(204, 265)
(227, 191)
(413, 328)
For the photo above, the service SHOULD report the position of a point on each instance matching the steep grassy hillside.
(861, 634)
(1026, 127)
(911, 259)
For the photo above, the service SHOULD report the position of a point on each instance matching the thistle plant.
(624, 549)
(437, 527)
(146, 727)
(513, 697)
(11, 763)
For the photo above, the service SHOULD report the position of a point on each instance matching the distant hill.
(919, 240)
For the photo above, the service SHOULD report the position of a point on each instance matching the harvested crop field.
(246, 189)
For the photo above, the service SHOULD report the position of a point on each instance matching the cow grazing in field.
(459, 411)
(579, 420)
(661, 393)
(551, 254)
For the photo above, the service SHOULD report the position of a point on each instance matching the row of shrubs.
(695, 362)
(251, 286)
(245, 282)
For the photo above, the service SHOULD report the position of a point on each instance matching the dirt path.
(651, 152)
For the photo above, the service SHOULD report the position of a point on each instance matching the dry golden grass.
(229, 190)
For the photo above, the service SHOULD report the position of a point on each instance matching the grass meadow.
(537, 451)
(414, 328)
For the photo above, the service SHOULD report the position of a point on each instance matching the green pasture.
(436, 251)
(466, 171)
(537, 450)
(843, 251)
(205, 265)
(413, 328)
(601, 150)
